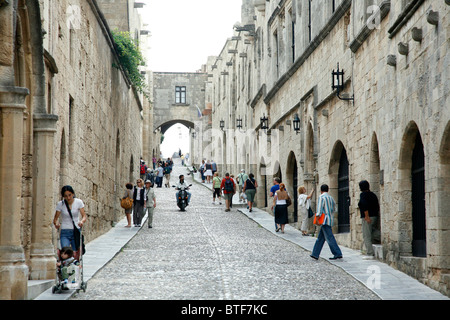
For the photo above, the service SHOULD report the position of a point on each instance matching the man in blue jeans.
(326, 205)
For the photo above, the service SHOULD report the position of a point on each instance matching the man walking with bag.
(326, 206)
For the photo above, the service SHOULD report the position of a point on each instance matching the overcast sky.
(185, 32)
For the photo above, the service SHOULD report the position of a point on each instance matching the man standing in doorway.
(326, 205)
(369, 208)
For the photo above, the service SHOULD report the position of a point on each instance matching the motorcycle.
(182, 197)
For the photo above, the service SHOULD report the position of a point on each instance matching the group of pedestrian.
(207, 170)
(368, 205)
(369, 211)
(228, 186)
(162, 173)
(144, 200)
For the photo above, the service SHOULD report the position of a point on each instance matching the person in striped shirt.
(326, 205)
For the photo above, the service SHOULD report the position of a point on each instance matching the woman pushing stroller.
(67, 218)
(67, 221)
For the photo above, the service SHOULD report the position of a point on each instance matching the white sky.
(185, 32)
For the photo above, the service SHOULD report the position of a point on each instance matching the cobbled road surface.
(206, 253)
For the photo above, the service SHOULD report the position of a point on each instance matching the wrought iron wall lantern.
(338, 84)
(264, 122)
(239, 123)
(296, 123)
(222, 124)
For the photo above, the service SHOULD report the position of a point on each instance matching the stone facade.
(67, 116)
(178, 98)
(395, 132)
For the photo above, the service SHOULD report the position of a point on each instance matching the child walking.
(216, 185)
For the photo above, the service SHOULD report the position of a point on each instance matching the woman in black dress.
(281, 212)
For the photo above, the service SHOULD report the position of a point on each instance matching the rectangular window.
(180, 95)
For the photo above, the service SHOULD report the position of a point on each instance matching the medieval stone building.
(67, 116)
(387, 120)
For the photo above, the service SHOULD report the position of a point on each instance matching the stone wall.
(98, 140)
(278, 69)
(67, 116)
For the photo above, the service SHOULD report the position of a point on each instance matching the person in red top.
(229, 188)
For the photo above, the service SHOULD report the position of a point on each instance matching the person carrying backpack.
(167, 171)
(229, 188)
(143, 170)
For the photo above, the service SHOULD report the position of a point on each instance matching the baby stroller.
(70, 276)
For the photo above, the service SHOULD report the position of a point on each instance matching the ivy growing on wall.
(130, 57)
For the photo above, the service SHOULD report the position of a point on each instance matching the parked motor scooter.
(182, 197)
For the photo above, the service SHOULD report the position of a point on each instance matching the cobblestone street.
(207, 253)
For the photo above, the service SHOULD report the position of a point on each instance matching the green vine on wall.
(130, 57)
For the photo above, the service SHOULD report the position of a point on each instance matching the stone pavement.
(231, 256)
(385, 281)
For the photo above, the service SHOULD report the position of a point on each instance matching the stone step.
(36, 287)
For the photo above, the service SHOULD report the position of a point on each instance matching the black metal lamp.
(296, 123)
(264, 122)
(222, 124)
(338, 83)
(239, 123)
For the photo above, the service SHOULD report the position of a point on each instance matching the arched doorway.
(343, 194)
(374, 180)
(277, 171)
(339, 173)
(444, 202)
(419, 245)
(292, 183)
(412, 190)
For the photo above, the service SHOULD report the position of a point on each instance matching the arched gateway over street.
(178, 98)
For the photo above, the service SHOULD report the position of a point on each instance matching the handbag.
(318, 221)
(310, 213)
(288, 201)
(76, 233)
(126, 203)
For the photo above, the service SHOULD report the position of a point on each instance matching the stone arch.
(412, 220)
(277, 171)
(375, 176)
(339, 177)
(292, 185)
(443, 202)
(164, 126)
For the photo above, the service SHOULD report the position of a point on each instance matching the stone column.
(42, 253)
(13, 270)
